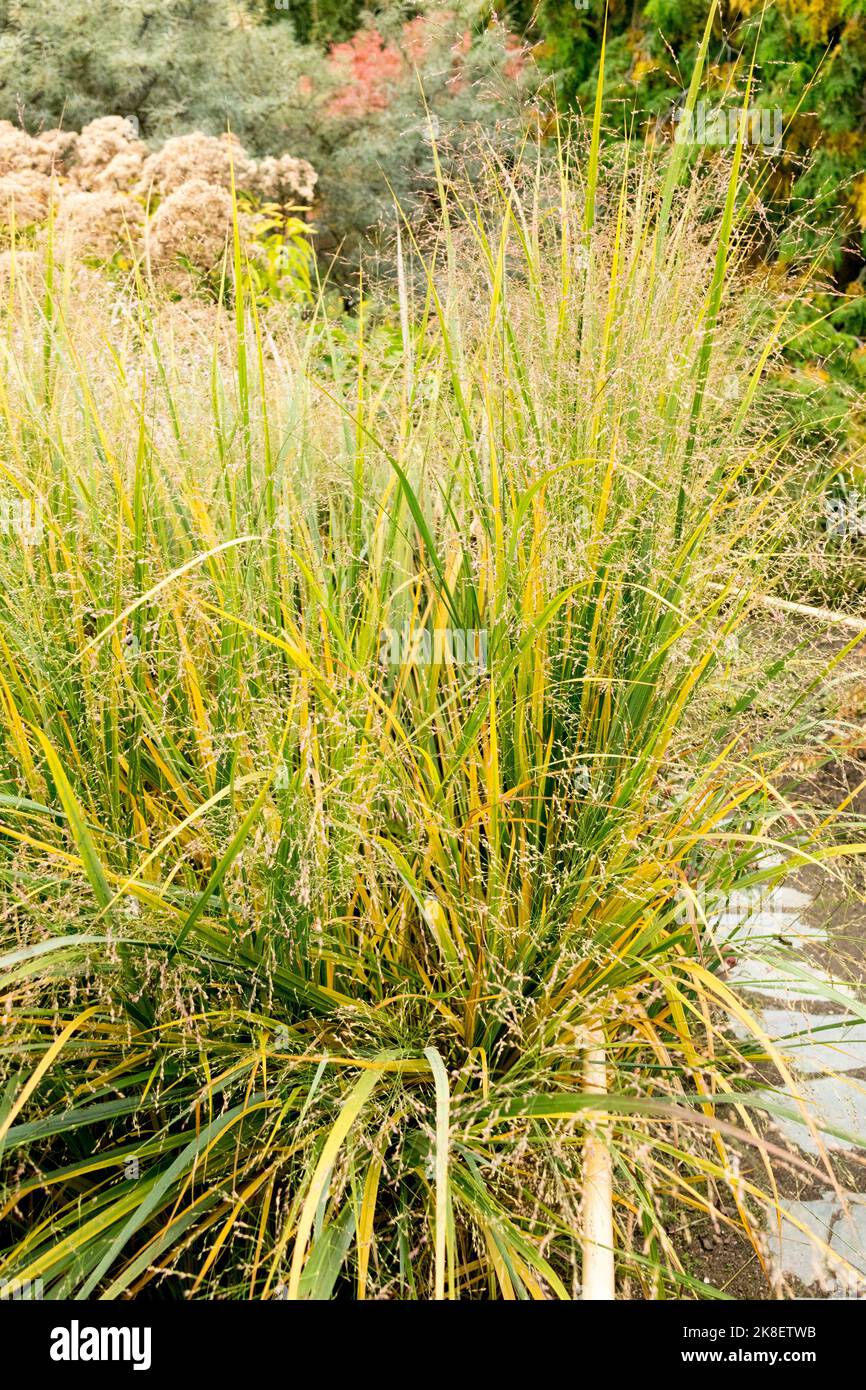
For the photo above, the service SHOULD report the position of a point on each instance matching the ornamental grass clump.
(307, 946)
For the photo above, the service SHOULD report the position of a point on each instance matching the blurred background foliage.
(809, 64)
(352, 88)
(272, 67)
(347, 90)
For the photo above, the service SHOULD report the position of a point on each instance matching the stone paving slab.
(834, 1102)
(736, 929)
(813, 1042)
(771, 978)
(768, 933)
(795, 1254)
(773, 912)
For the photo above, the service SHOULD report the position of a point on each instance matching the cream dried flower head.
(56, 150)
(285, 179)
(15, 149)
(193, 224)
(108, 156)
(44, 154)
(99, 224)
(25, 199)
(206, 158)
(120, 174)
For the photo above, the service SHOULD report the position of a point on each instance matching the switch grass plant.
(303, 950)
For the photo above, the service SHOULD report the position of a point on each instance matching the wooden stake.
(598, 1273)
(805, 610)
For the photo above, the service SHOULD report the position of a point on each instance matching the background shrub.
(356, 111)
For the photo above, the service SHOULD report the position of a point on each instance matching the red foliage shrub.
(372, 68)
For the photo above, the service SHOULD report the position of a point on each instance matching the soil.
(726, 1260)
